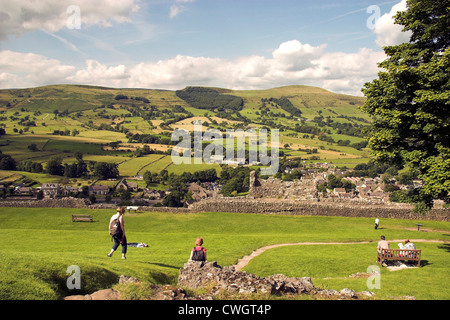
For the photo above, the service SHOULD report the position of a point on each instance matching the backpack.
(198, 255)
(114, 226)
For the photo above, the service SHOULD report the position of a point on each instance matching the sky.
(171, 44)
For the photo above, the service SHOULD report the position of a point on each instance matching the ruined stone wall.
(279, 189)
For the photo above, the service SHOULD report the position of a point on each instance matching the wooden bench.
(399, 254)
(82, 217)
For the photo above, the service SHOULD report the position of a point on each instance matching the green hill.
(314, 124)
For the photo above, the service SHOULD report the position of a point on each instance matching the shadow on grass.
(92, 279)
(424, 263)
(445, 247)
(158, 277)
(164, 265)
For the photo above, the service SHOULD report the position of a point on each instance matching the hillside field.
(63, 119)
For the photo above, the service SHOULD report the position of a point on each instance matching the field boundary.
(137, 173)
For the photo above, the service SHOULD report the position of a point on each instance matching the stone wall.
(329, 207)
(141, 208)
(68, 202)
(314, 208)
(279, 189)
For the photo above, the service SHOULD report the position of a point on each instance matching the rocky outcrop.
(106, 294)
(230, 283)
(195, 275)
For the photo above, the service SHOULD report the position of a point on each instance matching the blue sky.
(170, 44)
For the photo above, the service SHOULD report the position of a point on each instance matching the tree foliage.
(286, 105)
(409, 102)
(210, 99)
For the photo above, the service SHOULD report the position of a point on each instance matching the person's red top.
(198, 248)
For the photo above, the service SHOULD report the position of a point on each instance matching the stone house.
(378, 195)
(153, 194)
(131, 186)
(24, 190)
(198, 192)
(99, 190)
(69, 190)
(338, 191)
(51, 189)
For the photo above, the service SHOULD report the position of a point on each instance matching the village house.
(198, 192)
(24, 191)
(307, 177)
(51, 190)
(153, 194)
(346, 195)
(379, 195)
(131, 186)
(338, 191)
(99, 190)
(69, 190)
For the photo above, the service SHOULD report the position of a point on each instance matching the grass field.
(39, 244)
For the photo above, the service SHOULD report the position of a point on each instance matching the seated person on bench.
(382, 244)
(407, 246)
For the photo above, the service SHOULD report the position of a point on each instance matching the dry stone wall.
(311, 208)
(68, 202)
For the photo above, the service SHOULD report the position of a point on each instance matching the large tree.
(409, 102)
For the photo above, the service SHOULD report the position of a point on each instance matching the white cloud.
(388, 33)
(291, 63)
(175, 10)
(297, 56)
(32, 69)
(176, 73)
(20, 16)
(99, 74)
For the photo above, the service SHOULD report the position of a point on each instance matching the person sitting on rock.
(198, 253)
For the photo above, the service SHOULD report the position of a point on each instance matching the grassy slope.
(39, 245)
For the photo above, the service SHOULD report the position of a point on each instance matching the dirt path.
(245, 260)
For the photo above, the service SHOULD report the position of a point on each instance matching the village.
(314, 183)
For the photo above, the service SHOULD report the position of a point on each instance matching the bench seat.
(82, 217)
(399, 255)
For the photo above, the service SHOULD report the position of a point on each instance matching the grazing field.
(39, 244)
